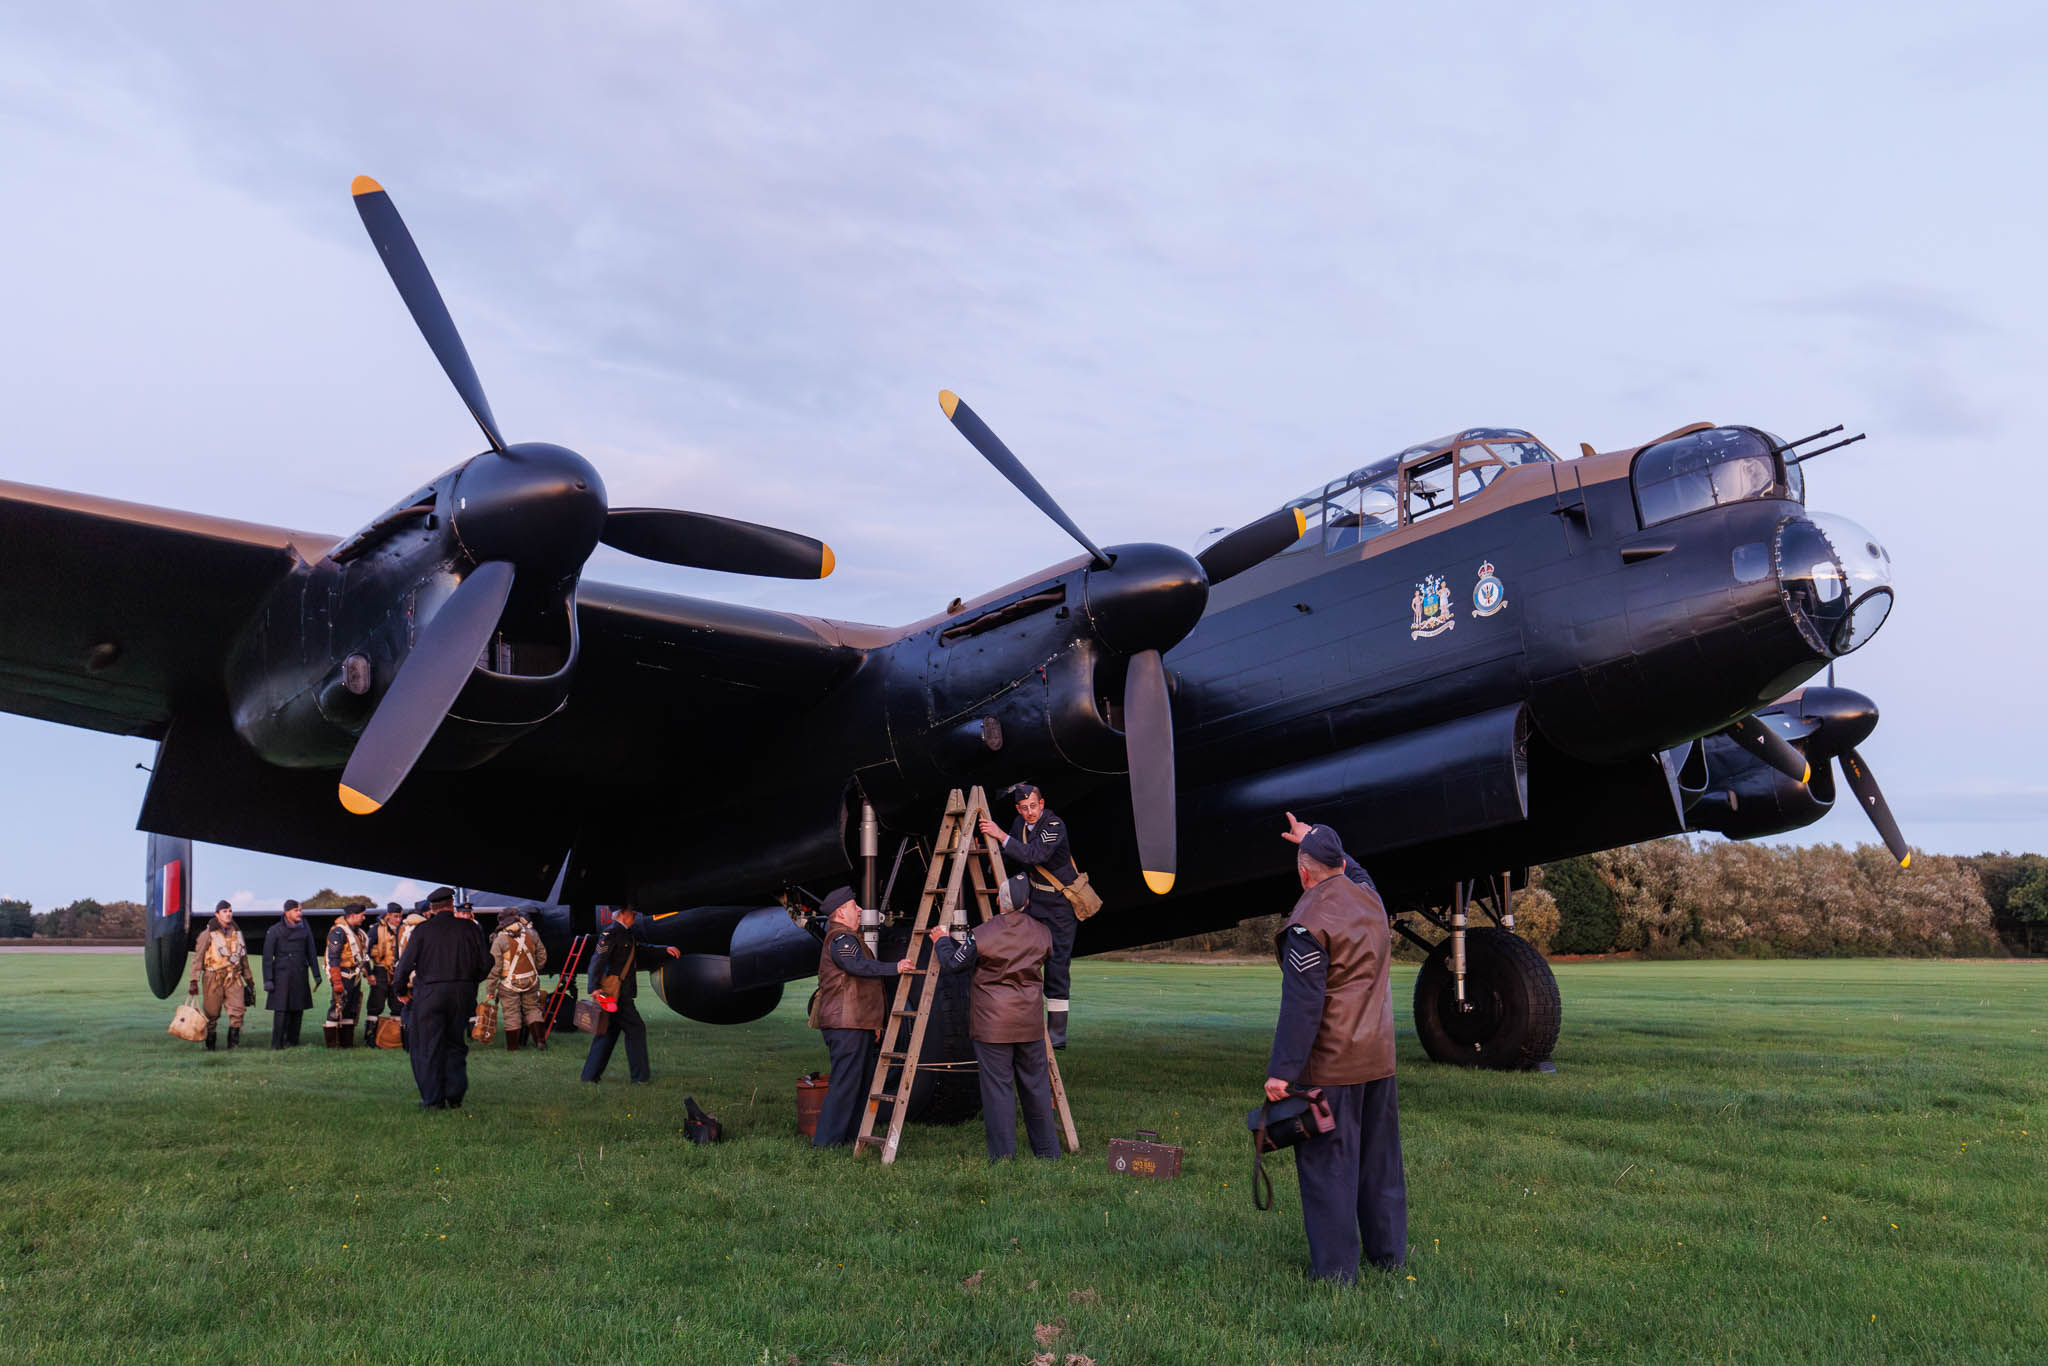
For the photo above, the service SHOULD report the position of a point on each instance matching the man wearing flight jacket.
(1336, 1032)
(1038, 840)
(436, 978)
(851, 1008)
(1006, 1018)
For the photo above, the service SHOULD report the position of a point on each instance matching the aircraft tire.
(1516, 1009)
(946, 1095)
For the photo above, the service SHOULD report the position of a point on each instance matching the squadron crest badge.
(1489, 595)
(1432, 604)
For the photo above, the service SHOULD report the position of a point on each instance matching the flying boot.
(1056, 1029)
(234, 1036)
(369, 1031)
(514, 1036)
(537, 1037)
(212, 1026)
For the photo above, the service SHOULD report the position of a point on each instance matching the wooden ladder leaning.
(960, 892)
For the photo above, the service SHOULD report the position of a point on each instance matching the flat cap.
(1322, 845)
(834, 899)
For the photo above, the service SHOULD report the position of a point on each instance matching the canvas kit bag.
(188, 1021)
(483, 1025)
(390, 1032)
(1078, 893)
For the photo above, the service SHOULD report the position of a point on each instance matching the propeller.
(1832, 721)
(530, 512)
(1141, 604)
(425, 687)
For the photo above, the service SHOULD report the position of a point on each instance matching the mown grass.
(1836, 1161)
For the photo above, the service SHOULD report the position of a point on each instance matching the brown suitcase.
(592, 1018)
(1136, 1157)
(390, 1033)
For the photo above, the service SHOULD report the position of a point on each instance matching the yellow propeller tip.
(1160, 883)
(1807, 776)
(357, 804)
(948, 401)
(1300, 524)
(1906, 862)
(826, 563)
(363, 185)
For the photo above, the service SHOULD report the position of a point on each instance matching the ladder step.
(903, 1014)
(891, 1057)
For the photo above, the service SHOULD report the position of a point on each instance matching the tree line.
(1687, 898)
(120, 920)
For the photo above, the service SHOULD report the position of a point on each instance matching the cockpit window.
(1702, 470)
(1423, 479)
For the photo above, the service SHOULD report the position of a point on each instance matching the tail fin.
(170, 913)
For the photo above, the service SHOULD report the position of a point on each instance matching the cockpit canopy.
(1427, 478)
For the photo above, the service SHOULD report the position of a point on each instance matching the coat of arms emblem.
(1489, 595)
(1432, 604)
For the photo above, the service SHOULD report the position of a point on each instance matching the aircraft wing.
(113, 613)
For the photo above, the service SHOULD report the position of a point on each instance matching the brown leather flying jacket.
(850, 998)
(1008, 955)
(1355, 1040)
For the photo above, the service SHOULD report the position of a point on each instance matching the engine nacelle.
(1746, 798)
(744, 983)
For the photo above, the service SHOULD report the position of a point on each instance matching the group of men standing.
(222, 980)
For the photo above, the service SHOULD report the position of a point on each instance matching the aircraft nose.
(1838, 579)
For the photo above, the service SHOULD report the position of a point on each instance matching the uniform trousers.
(1010, 1071)
(284, 1028)
(382, 997)
(517, 1009)
(625, 1020)
(437, 1037)
(348, 999)
(853, 1072)
(1051, 910)
(219, 989)
(1353, 1192)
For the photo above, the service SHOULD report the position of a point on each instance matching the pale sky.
(1188, 261)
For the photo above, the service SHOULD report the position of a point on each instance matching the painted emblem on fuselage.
(1432, 604)
(1489, 595)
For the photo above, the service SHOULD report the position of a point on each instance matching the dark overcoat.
(291, 967)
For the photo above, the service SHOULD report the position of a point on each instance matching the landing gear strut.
(1484, 997)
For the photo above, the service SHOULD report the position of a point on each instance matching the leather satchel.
(389, 1032)
(1277, 1124)
(1079, 894)
(484, 1026)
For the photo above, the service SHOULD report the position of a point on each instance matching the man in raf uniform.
(436, 978)
(619, 955)
(1336, 1031)
(289, 957)
(1038, 839)
(223, 972)
(348, 958)
(517, 956)
(851, 1010)
(383, 958)
(1007, 1019)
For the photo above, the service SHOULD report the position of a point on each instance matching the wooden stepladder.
(565, 985)
(960, 891)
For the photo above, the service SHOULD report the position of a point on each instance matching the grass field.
(1837, 1161)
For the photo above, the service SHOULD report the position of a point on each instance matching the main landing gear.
(1484, 997)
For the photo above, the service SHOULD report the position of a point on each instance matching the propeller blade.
(426, 686)
(416, 286)
(1011, 468)
(1774, 749)
(1864, 784)
(702, 541)
(561, 877)
(1148, 741)
(1253, 543)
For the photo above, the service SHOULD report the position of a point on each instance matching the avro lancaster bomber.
(1468, 657)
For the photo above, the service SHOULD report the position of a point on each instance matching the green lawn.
(1788, 1161)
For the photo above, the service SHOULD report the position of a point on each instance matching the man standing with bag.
(1038, 840)
(436, 979)
(348, 957)
(222, 975)
(1336, 1032)
(517, 957)
(1007, 1020)
(383, 958)
(620, 955)
(289, 956)
(851, 1007)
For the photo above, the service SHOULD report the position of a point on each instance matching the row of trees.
(89, 919)
(1678, 898)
